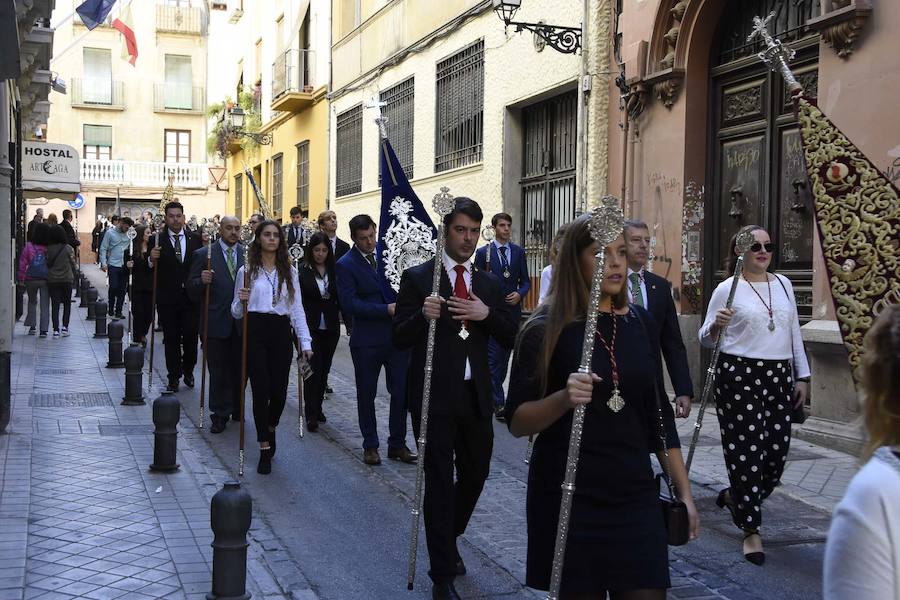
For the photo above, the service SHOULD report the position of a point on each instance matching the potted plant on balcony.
(222, 140)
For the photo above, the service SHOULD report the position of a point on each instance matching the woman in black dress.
(320, 302)
(617, 538)
(141, 293)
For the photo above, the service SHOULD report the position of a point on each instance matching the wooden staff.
(605, 226)
(247, 239)
(209, 237)
(743, 243)
(443, 204)
(157, 224)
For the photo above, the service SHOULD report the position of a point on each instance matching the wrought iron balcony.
(134, 173)
(179, 19)
(98, 93)
(293, 80)
(180, 98)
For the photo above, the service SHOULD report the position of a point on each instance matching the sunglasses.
(756, 247)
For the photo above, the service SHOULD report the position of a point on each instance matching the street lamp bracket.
(559, 37)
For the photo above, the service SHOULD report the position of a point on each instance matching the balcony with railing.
(179, 19)
(98, 93)
(293, 80)
(134, 173)
(179, 98)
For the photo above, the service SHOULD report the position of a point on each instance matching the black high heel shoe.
(723, 500)
(757, 558)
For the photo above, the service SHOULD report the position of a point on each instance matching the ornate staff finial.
(158, 221)
(776, 55)
(744, 241)
(246, 234)
(295, 251)
(607, 221)
(488, 234)
(380, 119)
(131, 233)
(168, 194)
(443, 202)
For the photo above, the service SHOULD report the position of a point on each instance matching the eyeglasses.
(756, 247)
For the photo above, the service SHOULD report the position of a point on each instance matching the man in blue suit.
(223, 351)
(507, 262)
(361, 293)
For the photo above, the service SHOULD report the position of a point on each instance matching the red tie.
(459, 288)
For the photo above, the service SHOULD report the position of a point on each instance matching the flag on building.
(405, 231)
(94, 12)
(124, 25)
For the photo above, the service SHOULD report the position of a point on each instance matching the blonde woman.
(862, 557)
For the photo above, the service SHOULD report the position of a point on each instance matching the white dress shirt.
(261, 302)
(643, 288)
(748, 333)
(322, 283)
(449, 265)
(546, 278)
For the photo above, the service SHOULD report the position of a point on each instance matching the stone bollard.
(166, 414)
(229, 516)
(116, 332)
(134, 372)
(89, 298)
(85, 285)
(100, 308)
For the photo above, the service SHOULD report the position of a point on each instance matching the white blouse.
(748, 333)
(546, 278)
(261, 293)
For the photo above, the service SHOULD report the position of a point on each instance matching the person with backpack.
(61, 275)
(33, 273)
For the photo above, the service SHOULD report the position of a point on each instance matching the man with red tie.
(469, 310)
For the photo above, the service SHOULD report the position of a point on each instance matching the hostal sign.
(50, 167)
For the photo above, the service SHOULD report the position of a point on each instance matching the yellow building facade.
(271, 58)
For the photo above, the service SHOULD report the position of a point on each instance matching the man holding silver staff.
(469, 310)
(223, 336)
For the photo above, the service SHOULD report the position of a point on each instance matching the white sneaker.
(55, 335)
(65, 332)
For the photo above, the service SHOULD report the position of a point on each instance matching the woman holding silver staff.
(761, 376)
(274, 305)
(320, 301)
(140, 296)
(617, 537)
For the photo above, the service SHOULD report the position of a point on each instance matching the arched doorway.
(755, 165)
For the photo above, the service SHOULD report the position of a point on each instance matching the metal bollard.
(89, 298)
(85, 286)
(230, 515)
(100, 308)
(134, 372)
(79, 283)
(116, 332)
(166, 414)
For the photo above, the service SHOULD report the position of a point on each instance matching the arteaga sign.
(50, 167)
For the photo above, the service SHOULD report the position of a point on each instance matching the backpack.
(37, 268)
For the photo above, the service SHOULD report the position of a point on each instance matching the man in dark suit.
(71, 236)
(470, 310)
(177, 314)
(223, 351)
(509, 265)
(361, 293)
(655, 294)
(328, 225)
(295, 231)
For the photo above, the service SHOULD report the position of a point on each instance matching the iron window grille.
(238, 197)
(303, 175)
(459, 131)
(399, 109)
(348, 179)
(277, 181)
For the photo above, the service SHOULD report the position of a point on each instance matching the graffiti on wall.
(691, 247)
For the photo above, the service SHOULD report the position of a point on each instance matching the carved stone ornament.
(666, 89)
(841, 26)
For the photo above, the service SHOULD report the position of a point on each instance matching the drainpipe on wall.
(7, 298)
(328, 100)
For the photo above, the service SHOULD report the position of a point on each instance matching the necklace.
(616, 402)
(769, 305)
(273, 282)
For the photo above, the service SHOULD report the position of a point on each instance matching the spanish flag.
(123, 24)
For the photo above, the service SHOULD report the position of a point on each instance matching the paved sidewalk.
(81, 515)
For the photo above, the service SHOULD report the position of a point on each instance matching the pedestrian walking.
(223, 338)
(274, 306)
(327, 221)
(177, 314)
(507, 262)
(61, 276)
(617, 541)
(112, 261)
(35, 220)
(96, 237)
(71, 235)
(547, 272)
(140, 295)
(862, 555)
(762, 374)
(470, 310)
(320, 302)
(33, 273)
(362, 297)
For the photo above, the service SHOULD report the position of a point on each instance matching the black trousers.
(270, 351)
(141, 313)
(465, 440)
(324, 343)
(223, 357)
(60, 296)
(753, 403)
(179, 325)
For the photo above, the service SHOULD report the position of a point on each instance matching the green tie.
(371, 259)
(232, 268)
(636, 293)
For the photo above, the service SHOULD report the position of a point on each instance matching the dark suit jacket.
(361, 296)
(291, 238)
(518, 280)
(71, 238)
(314, 305)
(141, 274)
(172, 275)
(665, 319)
(221, 291)
(450, 350)
(340, 248)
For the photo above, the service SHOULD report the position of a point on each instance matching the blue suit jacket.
(221, 292)
(360, 292)
(665, 322)
(518, 280)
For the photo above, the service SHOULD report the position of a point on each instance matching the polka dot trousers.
(753, 403)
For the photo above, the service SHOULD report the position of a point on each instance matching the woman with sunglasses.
(762, 374)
